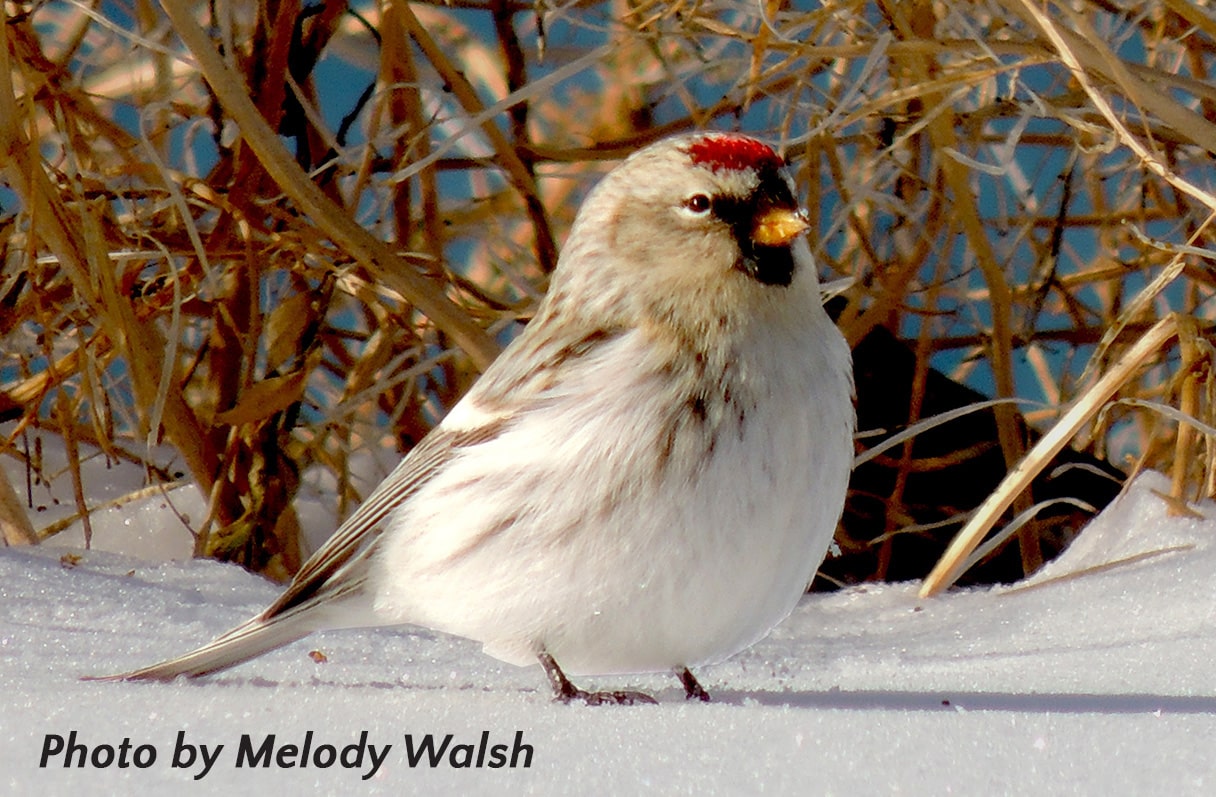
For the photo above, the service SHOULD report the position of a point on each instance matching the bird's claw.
(618, 698)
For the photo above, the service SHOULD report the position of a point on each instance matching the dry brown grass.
(207, 243)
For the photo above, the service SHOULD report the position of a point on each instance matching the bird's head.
(706, 222)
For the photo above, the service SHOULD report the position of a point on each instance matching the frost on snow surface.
(1093, 677)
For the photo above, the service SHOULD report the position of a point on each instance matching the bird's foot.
(620, 698)
(692, 689)
(565, 692)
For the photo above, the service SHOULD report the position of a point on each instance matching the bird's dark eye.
(697, 203)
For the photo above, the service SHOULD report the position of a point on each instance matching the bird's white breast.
(564, 532)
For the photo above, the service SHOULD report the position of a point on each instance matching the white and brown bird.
(646, 479)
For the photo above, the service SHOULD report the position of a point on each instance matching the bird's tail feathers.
(246, 641)
(336, 598)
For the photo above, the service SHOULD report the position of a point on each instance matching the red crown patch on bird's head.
(733, 152)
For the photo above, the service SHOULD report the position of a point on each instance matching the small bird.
(648, 476)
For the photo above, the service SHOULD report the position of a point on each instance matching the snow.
(1093, 677)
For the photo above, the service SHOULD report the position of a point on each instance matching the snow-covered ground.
(1093, 678)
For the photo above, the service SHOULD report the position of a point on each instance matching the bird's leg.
(564, 691)
(692, 689)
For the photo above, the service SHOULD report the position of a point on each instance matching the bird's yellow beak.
(779, 226)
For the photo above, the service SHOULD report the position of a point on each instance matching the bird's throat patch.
(768, 265)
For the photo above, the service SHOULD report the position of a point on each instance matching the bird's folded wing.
(338, 567)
